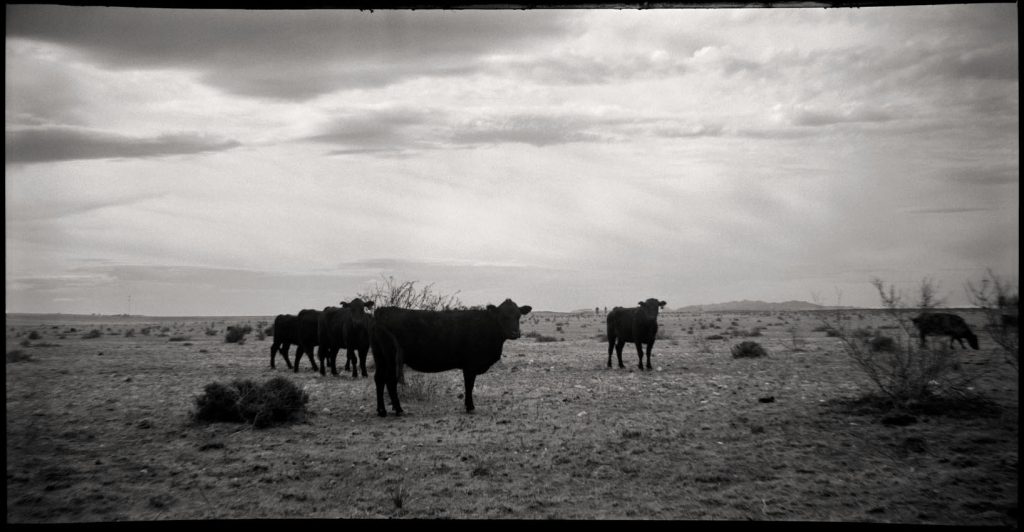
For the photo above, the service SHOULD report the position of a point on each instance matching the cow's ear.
(369, 304)
(492, 308)
(525, 309)
(343, 304)
(641, 303)
(662, 304)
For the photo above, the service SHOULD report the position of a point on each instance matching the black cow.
(286, 333)
(347, 327)
(944, 324)
(306, 335)
(637, 325)
(434, 341)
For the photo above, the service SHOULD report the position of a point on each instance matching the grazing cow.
(347, 327)
(433, 341)
(307, 335)
(286, 333)
(637, 325)
(944, 324)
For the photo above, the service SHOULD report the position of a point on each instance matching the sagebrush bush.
(748, 350)
(542, 338)
(18, 356)
(243, 401)
(33, 335)
(236, 333)
(95, 333)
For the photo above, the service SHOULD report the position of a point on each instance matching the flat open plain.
(98, 429)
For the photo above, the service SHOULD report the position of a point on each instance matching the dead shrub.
(95, 333)
(905, 373)
(243, 401)
(748, 350)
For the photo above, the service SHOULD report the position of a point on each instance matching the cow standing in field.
(637, 325)
(306, 335)
(434, 341)
(945, 324)
(346, 328)
(286, 333)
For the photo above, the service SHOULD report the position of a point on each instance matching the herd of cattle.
(471, 340)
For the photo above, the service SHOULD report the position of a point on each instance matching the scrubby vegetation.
(900, 370)
(748, 350)
(236, 334)
(243, 401)
(18, 356)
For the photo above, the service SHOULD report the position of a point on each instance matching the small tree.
(1000, 301)
(389, 292)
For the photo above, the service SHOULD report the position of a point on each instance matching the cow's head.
(650, 308)
(508, 314)
(357, 306)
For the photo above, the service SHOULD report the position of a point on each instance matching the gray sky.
(256, 163)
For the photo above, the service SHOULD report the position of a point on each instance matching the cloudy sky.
(255, 163)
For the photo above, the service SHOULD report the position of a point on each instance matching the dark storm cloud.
(292, 55)
(65, 144)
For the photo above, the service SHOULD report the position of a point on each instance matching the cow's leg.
(284, 354)
(618, 351)
(362, 361)
(273, 354)
(321, 355)
(334, 360)
(469, 377)
(350, 359)
(380, 380)
(309, 353)
(640, 353)
(298, 357)
(922, 339)
(649, 346)
(611, 346)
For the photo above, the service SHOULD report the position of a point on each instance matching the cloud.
(948, 210)
(49, 144)
(378, 130)
(534, 129)
(569, 68)
(287, 55)
(804, 116)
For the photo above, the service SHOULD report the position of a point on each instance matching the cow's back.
(940, 323)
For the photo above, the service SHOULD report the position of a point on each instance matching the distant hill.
(746, 305)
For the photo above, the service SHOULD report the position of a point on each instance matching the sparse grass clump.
(33, 336)
(748, 350)
(95, 333)
(18, 356)
(243, 401)
(542, 338)
(179, 339)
